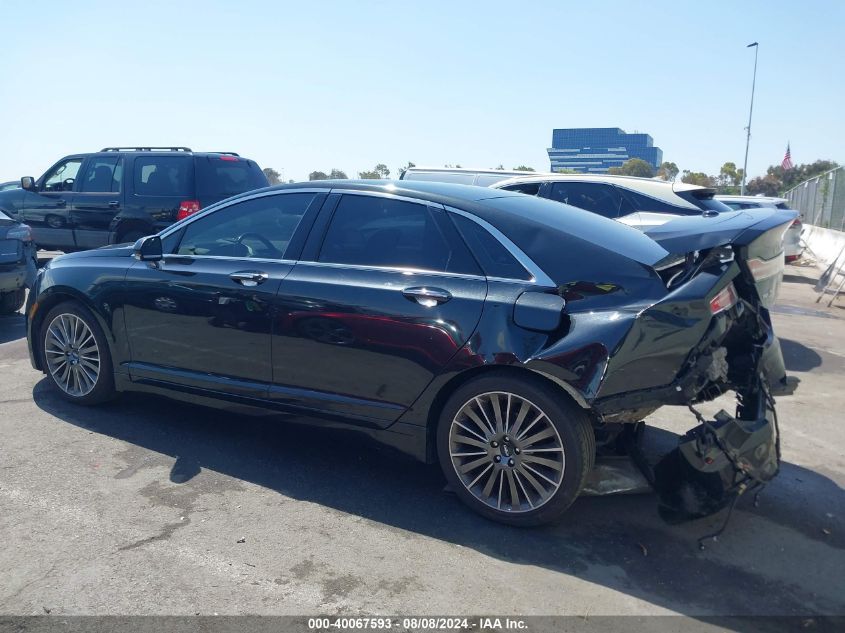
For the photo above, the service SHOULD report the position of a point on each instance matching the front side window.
(376, 231)
(591, 196)
(63, 176)
(164, 176)
(104, 174)
(257, 228)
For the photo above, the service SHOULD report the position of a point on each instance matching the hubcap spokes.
(506, 452)
(73, 357)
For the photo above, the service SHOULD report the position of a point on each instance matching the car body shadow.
(618, 542)
(799, 357)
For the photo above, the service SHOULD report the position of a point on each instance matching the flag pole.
(750, 111)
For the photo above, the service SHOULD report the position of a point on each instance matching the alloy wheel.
(506, 452)
(73, 356)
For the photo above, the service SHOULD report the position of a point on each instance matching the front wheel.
(75, 355)
(515, 450)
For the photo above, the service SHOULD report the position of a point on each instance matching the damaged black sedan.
(482, 329)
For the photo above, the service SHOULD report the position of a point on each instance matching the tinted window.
(703, 199)
(529, 188)
(63, 176)
(226, 176)
(494, 258)
(376, 231)
(164, 176)
(262, 227)
(642, 202)
(594, 197)
(104, 174)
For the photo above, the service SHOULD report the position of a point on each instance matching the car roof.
(732, 198)
(467, 170)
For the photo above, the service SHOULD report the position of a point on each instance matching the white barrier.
(825, 244)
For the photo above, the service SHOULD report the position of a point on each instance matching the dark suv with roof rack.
(119, 194)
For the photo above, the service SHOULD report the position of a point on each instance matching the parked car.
(792, 240)
(17, 263)
(14, 184)
(482, 329)
(638, 202)
(120, 194)
(460, 176)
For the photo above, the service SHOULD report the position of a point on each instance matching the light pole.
(750, 111)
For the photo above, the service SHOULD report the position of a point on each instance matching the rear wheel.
(11, 302)
(516, 450)
(75, 355)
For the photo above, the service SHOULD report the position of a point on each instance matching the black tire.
(103, 388)
(11, 302)
(574, 433)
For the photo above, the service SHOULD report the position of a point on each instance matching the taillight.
(725, 300)
(763, 269)
(233, 159)
(22, 233)
(186, 208)
(796, 223)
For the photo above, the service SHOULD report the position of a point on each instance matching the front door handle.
(249, 278)
(425, 296)
(114, 204)
(61, 202)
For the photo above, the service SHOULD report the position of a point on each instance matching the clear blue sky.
(304, 86)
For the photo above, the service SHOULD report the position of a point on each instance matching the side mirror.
(28, 183)
(148, 249)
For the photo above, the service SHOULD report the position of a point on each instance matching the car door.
(201, 317)
(380, 302)
(98, 201)
(47, 208)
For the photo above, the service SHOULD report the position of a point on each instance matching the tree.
(408, 166)
(767, 185)
(369, 175)
(523, 168)
(499, 168)
(668, 171)
(633, 167)
(382, 170)
(337, 174)
(318, 175)
(273, 177)
(697, 178)
(563, 170)
(777, 180)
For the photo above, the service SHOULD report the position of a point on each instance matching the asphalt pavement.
(147, 506)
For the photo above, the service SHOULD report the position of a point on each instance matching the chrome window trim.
(538, 276)
(405, 270)
(225, 204)
(264, 260)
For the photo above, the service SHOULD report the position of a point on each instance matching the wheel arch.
(456, 382)
(49, 300)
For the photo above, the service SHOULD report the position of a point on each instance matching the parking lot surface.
(147, 506)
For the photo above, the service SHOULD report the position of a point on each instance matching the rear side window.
(104, 174)
(261, 227)
(164, 176)
(529, 188)
(224, 176)
(494, 258)
(703, 199)
(376, 231)
(593, 197)
(642, 202)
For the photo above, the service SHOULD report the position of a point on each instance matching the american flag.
(786, 163)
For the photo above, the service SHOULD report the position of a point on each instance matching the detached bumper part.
(713, 463)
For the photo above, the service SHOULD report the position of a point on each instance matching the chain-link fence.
(821, 200)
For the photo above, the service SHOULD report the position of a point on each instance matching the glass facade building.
(595, 149)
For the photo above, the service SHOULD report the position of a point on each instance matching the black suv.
(122, 193)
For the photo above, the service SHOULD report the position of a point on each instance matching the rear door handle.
(114, 204)
(425, 296)
(249, 278)
(61, 202)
